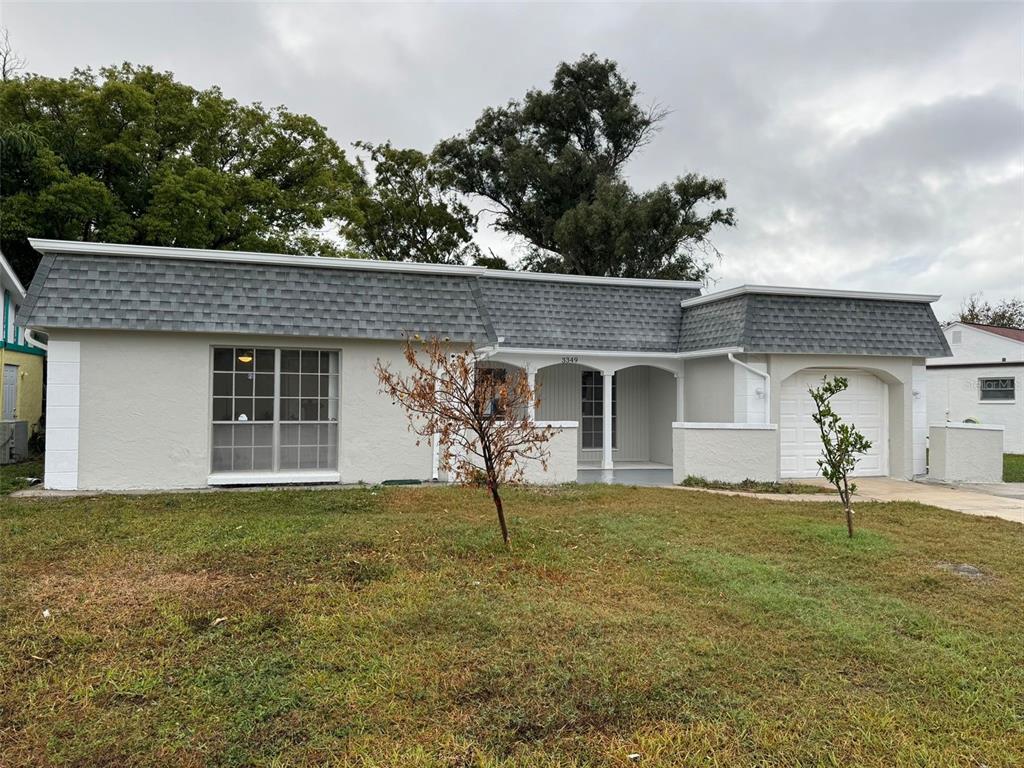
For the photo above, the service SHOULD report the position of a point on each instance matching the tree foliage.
(401, 212)
(480, 420)
(841, 443)
(1008, 313)
(130, 155)
(552, 166)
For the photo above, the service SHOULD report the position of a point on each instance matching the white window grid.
(592, 404)
(296, 430)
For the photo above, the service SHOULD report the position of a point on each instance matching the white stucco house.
(178, 368)
(981, 380)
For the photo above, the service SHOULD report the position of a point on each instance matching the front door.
(10, 392)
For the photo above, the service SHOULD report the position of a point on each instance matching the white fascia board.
(492, 350)
(10, 281)
(781, 290)
(594, 279)
(74, 247)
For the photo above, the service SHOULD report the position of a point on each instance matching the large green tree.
(130, 155)
(552, 166)
(401, 212)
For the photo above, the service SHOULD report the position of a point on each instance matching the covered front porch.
(623, 407)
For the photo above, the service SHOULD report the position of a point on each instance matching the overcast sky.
(871, 146)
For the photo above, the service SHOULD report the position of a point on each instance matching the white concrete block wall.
(727, 452)
(966, 453)
(63, 415)
(562, 456)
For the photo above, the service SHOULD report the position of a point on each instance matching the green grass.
(388, 627)
(755, 486)
(13, 476)
(1013, 468)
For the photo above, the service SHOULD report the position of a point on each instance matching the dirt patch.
(128, 590)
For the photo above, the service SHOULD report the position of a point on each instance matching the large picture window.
(592, 422)
(997, 389)
(274, 409)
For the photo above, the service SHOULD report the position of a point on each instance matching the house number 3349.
(570, 359)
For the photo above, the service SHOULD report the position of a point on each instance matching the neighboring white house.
(179, 368)
(981, 381)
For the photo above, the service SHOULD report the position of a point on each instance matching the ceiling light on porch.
(245, 357)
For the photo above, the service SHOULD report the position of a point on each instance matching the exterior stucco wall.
(144, 414)
(375, 444)
(727, 452)
(965, 453)
(953, 395)
(896, 372)
(749, 391)
(144, 410)
(29, 406)
(709, 392)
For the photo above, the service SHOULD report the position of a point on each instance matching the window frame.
(1012, 389)
(586, 433)
(275, 473)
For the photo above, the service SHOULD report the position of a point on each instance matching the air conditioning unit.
(13, 441)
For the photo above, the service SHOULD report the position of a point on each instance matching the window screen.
(274, 409)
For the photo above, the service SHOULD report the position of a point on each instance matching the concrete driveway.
(971, 500)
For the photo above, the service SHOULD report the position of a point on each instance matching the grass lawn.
(389, 628)
(13, 476)
(1013, 468)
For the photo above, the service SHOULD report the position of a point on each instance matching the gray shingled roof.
(168, 294)
(532, 313)
(145, 294)
(837, 325)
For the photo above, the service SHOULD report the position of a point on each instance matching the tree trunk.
(849, 508)
(501, 515)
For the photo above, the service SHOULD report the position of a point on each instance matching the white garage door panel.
(863, 404)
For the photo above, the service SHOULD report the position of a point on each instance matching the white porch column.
(531, 379)
(606, 422)
(435, 442)
(680, 397)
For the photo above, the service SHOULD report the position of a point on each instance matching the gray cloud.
(875, 146)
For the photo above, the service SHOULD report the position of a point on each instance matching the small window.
(997, 389)
(592, 422)
(958, 336)
(498, 375)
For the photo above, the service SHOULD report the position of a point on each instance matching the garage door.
(865, 404)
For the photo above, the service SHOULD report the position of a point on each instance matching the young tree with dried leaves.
(479, 417)
(841, 443)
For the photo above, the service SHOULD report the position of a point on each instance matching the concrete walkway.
(957, 498)
(983, 501)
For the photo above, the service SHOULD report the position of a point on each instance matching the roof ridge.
(476, 290)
